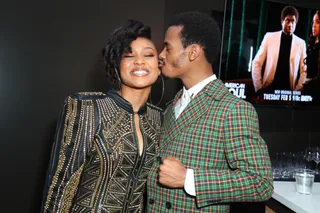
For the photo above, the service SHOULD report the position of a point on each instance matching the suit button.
(151, 201)
(168, 205)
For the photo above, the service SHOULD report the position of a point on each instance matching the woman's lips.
(140, 72)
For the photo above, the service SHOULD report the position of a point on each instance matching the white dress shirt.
(181, 104)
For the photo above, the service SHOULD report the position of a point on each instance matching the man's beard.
(179, 61)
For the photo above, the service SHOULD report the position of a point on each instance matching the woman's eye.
(128, 56)
(149, 55)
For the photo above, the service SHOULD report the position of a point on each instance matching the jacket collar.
(123, 103)
(216, 89)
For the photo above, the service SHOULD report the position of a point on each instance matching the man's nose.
(161, 55)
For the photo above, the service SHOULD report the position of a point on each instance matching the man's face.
(289, 24)
(173, 54)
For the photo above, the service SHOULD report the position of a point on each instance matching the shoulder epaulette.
(154, 107)
(88, 95)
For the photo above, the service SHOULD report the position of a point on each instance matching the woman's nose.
(139, 60)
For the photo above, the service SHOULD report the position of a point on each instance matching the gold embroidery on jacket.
(70, 191)
(110, 176)
(70, 115)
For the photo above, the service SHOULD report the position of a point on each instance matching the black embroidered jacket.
(95, 163)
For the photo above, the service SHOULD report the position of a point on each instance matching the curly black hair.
(312, 39)
(289, 10)
(311, 48)
(199, 28)
(119, 43)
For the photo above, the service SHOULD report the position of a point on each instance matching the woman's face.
(139, 68)
(316, 26)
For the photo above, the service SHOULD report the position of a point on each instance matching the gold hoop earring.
(162, 92)
(119, 79)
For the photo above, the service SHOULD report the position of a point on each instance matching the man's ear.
(194, 52)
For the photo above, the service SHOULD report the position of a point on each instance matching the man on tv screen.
(282, 53)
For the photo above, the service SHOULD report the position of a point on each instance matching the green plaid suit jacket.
(218, 136)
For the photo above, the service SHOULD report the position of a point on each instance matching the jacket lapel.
(169, 115)
(275, 54)
(215, 90)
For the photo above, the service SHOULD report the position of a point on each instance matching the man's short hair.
(199, 28)
(289, 10)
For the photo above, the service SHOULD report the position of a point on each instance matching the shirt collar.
(193, 91)
(283, 35)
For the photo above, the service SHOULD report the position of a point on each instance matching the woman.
(105, 143)
(312, 87)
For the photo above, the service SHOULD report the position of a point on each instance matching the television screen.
(264, 49)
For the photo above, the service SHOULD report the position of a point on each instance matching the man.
(283, 54)
(211, 153)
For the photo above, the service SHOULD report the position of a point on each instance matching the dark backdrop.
(50, 49)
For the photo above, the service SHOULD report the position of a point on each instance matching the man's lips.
(161, 62)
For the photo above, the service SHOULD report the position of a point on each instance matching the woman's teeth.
(140, 72)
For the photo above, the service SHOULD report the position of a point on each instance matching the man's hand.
(172, 173)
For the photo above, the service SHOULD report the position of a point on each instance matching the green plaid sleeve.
(249, 177)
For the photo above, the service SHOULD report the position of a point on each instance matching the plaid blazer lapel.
(169, 115)
(215, 90)
(192, 112)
